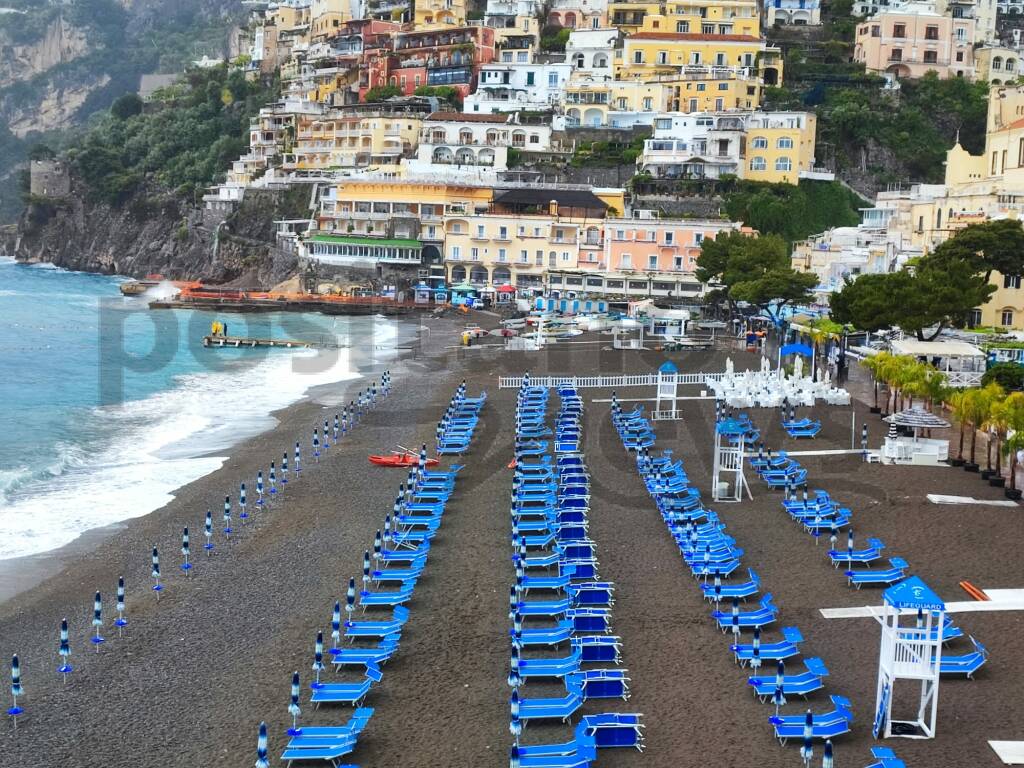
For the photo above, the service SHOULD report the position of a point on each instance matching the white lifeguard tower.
(668, 385)
(728, 481)
(912, 619)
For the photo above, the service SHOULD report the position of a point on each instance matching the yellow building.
(326, 17)
(432, 13)
(779, 146)
(660, 54)
(526, 232)
(998, 64)
(723, 17)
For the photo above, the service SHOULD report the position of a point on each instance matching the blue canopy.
(797, 349)
(913, 593)
(668, 367)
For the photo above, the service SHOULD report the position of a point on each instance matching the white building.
(793, 12)
(592, 51)
(512, 87)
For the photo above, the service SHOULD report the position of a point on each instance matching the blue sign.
(913, 593)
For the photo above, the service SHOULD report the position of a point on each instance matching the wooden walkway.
(237, 342)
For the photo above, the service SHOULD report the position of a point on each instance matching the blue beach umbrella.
(16, 689)
(366, 567)
(284, 467)
(243, 515)
(513, 674)
(515, 725)
(208, 532)
(293, 706)
(120, 622)
(834, 536)
(273, 481)
(97, 620)
(755, 660)
(779, 697)
(261, 748)
(155, 573)
(186, 550)
(350, 597)
(259, 488)
(335, 627)
(920, 618)
(327, 442)
(318, 659)
(826, 761)
(807, 750)
(64, 651)
(227, 516)
(298, 459)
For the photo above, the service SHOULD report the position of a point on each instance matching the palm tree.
(978, 404)
(1007, 415)
(957, 401)
(874, 365)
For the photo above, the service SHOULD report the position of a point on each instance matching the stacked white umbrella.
(186, 551)
(779, 696)
(97, 621)
(64, 651)
(16, 690)
(155, 573)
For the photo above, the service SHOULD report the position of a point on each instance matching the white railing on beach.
(591, 382)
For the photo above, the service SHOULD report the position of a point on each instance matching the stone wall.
(49, 178)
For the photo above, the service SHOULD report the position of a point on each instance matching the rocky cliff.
(160, 233)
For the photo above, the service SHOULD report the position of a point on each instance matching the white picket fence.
(618, 382)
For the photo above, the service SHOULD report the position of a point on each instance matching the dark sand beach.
(197, 672)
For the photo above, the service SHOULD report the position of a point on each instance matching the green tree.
(992, 246)
(382, 92)
(128, 105)
(1010, 376)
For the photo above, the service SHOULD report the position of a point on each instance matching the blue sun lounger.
(967, 664)
(331, 753)
(759, 617)
(553, 708)
(724, 569)
(578, 753)
(554, 750)
(884, 577)
(886, 758)
(782, 480)
(602, 683)
(785, 649)
(827, 725)
(551, 667)
(729, 591)
(800, 684)
(818, 500)
(378, 655)
(870, 553)
(347, 693)
(599, 649)
(801, 429)
(378, 628)
(590, 619)
(355, 725)
(552, 635)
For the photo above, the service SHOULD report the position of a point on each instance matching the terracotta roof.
(469, 117)
(1014, 125)
(694, 36)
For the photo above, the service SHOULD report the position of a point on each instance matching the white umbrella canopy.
(918, 418)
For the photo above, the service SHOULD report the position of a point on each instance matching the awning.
(918, 418)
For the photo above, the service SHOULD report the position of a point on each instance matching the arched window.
(570, 20)
(758, 164)
(600, 61)
(783, 164)
(465, 136)
(759, 142)
(1011, 65)
(518, 138)
(997, 62)
(784, 142)
(578, 60)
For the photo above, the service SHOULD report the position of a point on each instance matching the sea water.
(108, 407)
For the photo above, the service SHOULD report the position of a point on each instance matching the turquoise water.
(108, 406)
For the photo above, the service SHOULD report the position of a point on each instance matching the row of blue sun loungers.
(390, 574)
(455, 430)
(820, 514)
(557, 583)
(713, 557)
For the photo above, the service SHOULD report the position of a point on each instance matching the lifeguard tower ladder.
(728, 481)
(665, 409)
(912, 618)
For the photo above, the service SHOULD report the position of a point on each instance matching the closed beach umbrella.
(755, 661)
(16, 689)
(779, 697)
(208, 532)
(293, 706)
(316, 444)
(366, 567)
(273, 481)
(513, 674)
(807, 750)
(849, 543)
(261, 748)
(834, 536)
(826, 761)
(350, 597)
(512, 602)
(337, 426)
(186, 550)
(515, 725)
(517, 629)
(318, 659)
(155, 573)
(243, 515)
(335, 627)
(920, 619)
(377, 545)
(97, 620)
(284, 467)
(227, 516)
(120, 622)
(298, 458)
(259, 488)
(327, 442)
(64, 651)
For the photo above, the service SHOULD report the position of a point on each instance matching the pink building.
(657, 245)
(914, 39)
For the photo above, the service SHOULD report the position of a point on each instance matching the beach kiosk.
(916, 449)
(463, 293)
(912, 618)
(962, 363)
(728, 481)
(505, 294)
(422, 293)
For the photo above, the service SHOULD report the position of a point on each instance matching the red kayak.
(400, 459)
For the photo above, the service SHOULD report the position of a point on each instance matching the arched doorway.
(478, 275)
(430, 255)
(501, 276)
(458, 274)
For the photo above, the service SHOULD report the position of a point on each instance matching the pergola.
(962, 363)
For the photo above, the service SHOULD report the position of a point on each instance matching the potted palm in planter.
(956, 402)
(978, 404)
(1011, 445)
(1007, 416)
(874, 365)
